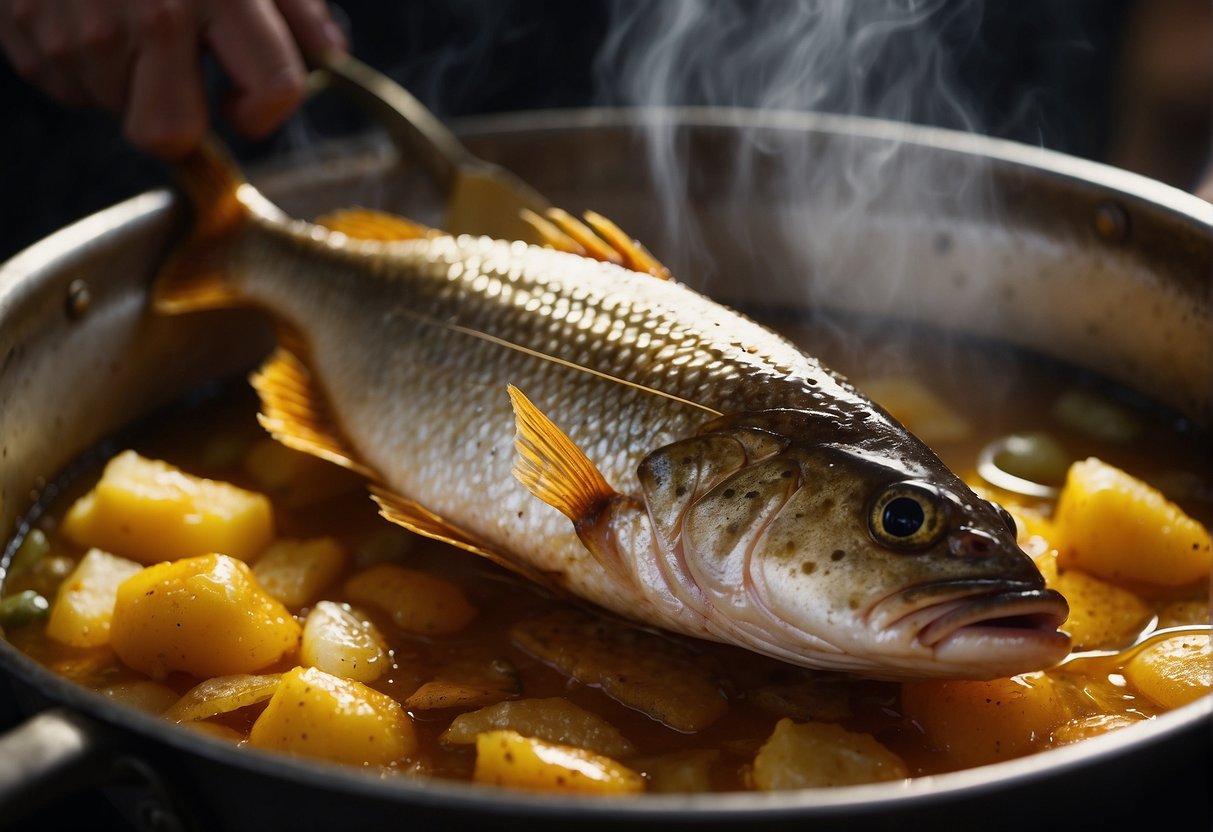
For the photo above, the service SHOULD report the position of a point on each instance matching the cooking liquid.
(997, 391)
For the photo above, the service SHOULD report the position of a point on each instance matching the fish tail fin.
(597, 237)
(196, 275)
(552, 467)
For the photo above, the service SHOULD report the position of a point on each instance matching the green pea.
(32, 549)
(23, 608)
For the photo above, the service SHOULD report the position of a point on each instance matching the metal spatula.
(481, 198)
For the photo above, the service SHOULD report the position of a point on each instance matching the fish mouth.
(995, 628)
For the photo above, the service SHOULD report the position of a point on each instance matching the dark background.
(1058, 74)
(1038, 71)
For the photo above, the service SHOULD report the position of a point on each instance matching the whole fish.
(614, 435)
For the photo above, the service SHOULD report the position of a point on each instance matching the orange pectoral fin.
(553, 468)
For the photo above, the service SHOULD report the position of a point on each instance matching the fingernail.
(334, 37)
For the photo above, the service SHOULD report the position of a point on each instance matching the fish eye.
(908, 515)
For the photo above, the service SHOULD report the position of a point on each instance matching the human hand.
(142, 59)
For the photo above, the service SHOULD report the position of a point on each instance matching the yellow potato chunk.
(813, 754)
(506, 758)
(340, 642)
(296, 571)
(416, 601)
(1173, 672)
(555, 719)
(295, 479)
(205, 616)
(150, 511)
(84, 606)
(976, 723)
(315, 714)
(1101, 615)
(1119, 528)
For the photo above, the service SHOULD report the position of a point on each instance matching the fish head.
(862, 556)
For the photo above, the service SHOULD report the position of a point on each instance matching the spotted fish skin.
(682, 466)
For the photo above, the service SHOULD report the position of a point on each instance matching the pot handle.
(51, 754)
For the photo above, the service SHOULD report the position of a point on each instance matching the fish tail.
(196, 276)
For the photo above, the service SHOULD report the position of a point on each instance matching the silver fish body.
(745, 493)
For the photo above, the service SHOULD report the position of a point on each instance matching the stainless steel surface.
(1030, 262)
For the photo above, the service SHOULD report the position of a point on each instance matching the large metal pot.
(1099, 267)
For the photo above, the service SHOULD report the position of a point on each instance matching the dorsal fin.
(552, 467)
(367, 224)
(418, 519)
(601, 239)
(295, 410)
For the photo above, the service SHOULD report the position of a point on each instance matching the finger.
(313, 26)
(57, 70)
(106, 52)
(166, 109)
(255, 46)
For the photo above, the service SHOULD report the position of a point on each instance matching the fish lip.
(932, 613)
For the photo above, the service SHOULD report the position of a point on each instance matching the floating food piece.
(340, 642)
(221, 695)
(820, 698)
(506, 758)
(555, 719)
(23, 608)
(643, 671)
(1173, 672)
(142, 694)
(416, 601)
(1033, 456)
(315, 714)
(205, 616)
(295, 571)
(34, 547)
(84, 608)
(1117, 527)
(925, 414)
(467, 682)
(1092, 725)
(296, 479)
(1097, 417)
(976, 723)
(1178, 613)
(679, 772)
(1101, 615)
(814, 754)
(150, 511)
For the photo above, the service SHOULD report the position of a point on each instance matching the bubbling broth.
(470, 672)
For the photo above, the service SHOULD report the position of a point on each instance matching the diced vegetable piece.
(643, 671)
(150, 511)
(84, 608)
(977, 723)
(294, 478)
(416, 601)
(222, 695)
(679, 772)
(295, 571)
(34, 546)
(506, 758)
(315, 714)
(1096, 417)
(467, 683)
(1036, 457)
(1119, 528)
(1092, 725)
(555, 719)
(924, 413)
(1177, 613)
(1173, 672)
(813, 754)
(23, 608)
(205, 616)
(340, 642)
(1101, 615)
(143, 694)
(817, 697)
